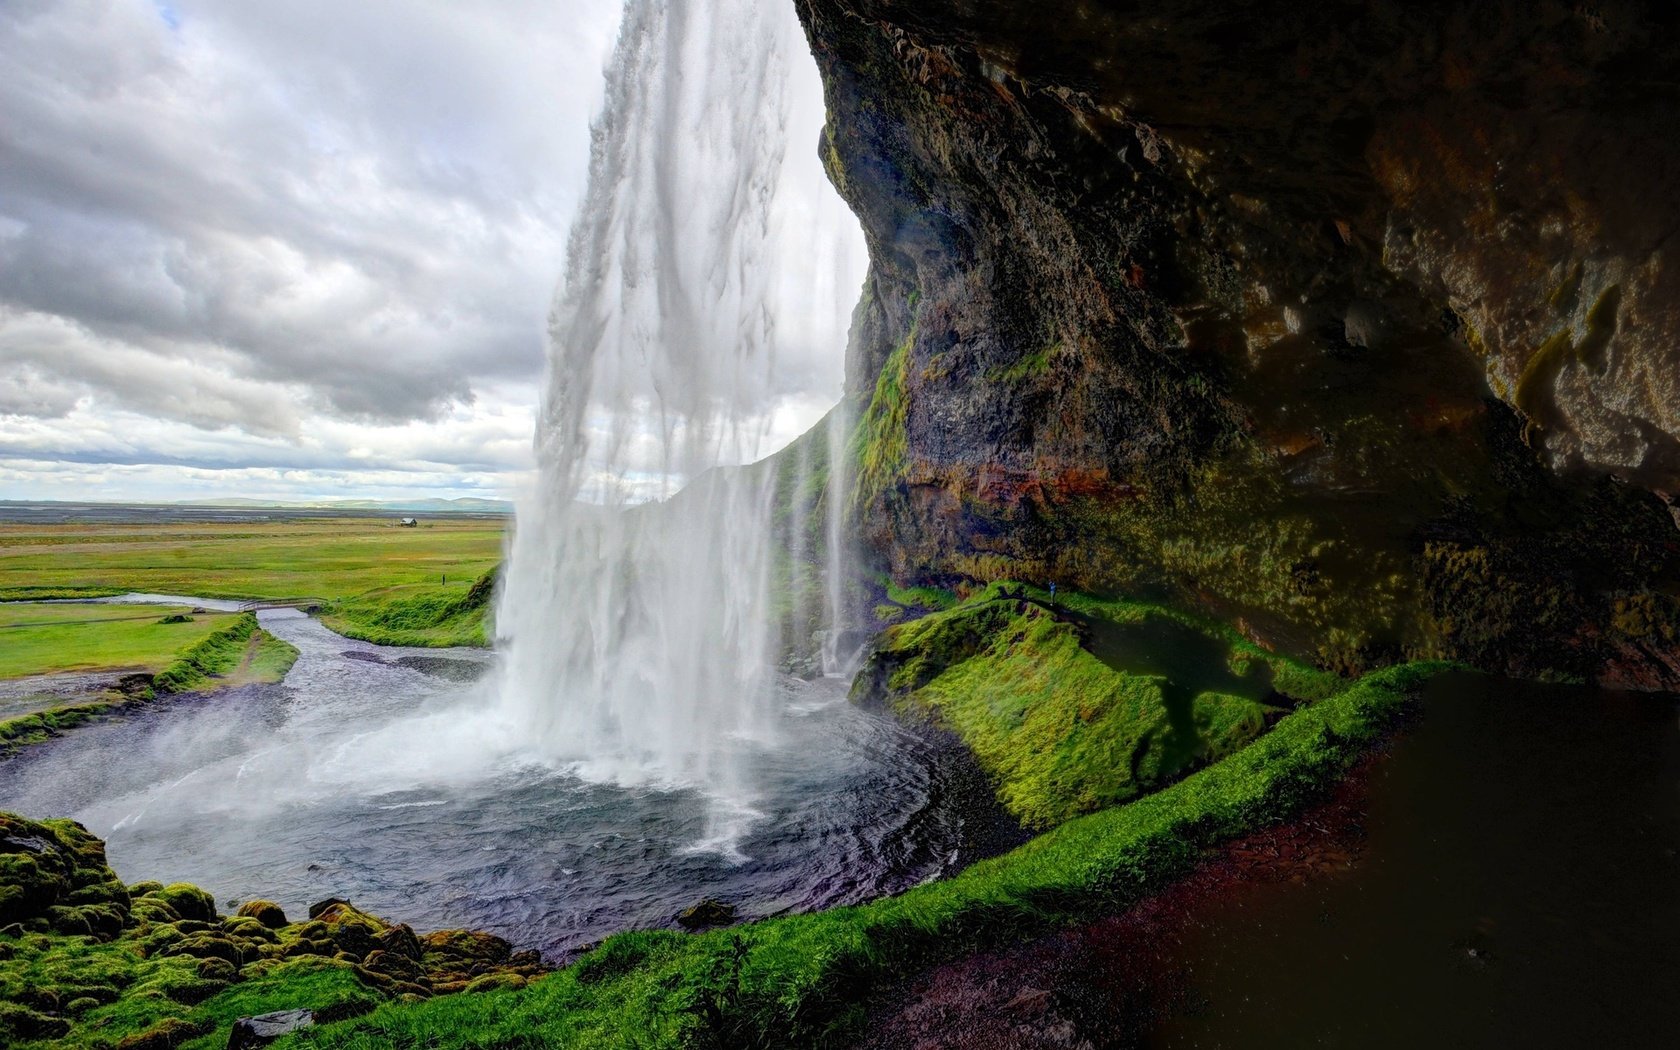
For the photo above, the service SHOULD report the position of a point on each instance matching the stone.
(265, 1028)
(165, 1035)
(401, 940)
(708, 912)
(320, 908)
(266, 912)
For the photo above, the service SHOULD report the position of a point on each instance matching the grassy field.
(39, 639)
(221, 650)
(377, 581)
(322, 558)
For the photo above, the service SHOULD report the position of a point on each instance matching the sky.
(295, 250)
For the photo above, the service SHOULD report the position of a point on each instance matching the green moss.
(40, 726)
(1237, 537)
(218, 655)
(92, 971)
(1029, 365)
(879, 445)
(929, 598)
(1085, 704)
(417, 615)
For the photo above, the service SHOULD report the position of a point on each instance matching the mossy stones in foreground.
(267, 913)
(54, 877)
(84, 957)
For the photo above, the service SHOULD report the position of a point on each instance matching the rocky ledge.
(1357, 327)
(87, 960)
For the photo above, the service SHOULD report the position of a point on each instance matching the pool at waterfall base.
(387, 777)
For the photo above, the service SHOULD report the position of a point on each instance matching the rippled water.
(380, 775)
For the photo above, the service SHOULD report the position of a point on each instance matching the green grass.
(1087, 704)
(218, 655)
(270, 661)
(41, 639)
(421, 616)
(39, 726)
(799, 980)
(206, 652)
(326, 558)
(381, 583)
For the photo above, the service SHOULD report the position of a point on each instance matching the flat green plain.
(41, 639)
(331, 558)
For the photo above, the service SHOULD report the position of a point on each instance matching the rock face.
(1357, 326)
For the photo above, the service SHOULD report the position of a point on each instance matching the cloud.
(313, 235)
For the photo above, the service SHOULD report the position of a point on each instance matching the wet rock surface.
(1354, 328)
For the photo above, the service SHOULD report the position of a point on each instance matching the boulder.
(265, 1028)
(165, 1035)
(56, 864)
(266, 912)
(708, 912)
(320, 908)
(188, 901)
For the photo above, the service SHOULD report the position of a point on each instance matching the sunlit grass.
(325, 558)
(40, 639)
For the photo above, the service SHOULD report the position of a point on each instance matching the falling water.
(636, 617)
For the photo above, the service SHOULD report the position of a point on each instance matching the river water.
(387, 776)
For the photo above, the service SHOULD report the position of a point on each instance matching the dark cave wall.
(1347, 323)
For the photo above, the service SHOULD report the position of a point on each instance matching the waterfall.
(636, 617)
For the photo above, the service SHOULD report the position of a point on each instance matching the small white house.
(409, 523)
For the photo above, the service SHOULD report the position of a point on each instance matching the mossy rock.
(21, 1023)
(188, 901)
(208, 946)
(398, 967)
(50, 864)
(496, 982)
(465, 946)
(251, 929)
(401, 940)
(266, 912)
(166, 1035)
(152, 910)
(216, 969)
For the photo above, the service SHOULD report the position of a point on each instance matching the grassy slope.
(230, 651)
(221, 654)
(428, 616)
(330, 558)
(798, 980)
(1089, 704)
(40, 639)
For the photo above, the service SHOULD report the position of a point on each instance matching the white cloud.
(258, 247)
(313, 234)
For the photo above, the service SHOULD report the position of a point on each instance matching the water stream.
(359, 777)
